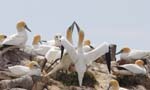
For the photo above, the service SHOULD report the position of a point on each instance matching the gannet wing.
(97, 52)
(13, 40)
(70, 49)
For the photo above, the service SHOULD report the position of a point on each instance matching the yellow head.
(21, 25)
(33, 65)
(139, 62)
(114, 85)
(69, 33)
(124, 50)
(81, 38)
(36, 39)
(2, 37)
(87, 42)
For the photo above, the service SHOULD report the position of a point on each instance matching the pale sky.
(123, 22)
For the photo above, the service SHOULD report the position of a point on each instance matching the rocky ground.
(96, 77)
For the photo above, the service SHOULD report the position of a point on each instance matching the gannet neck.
(81, 38)
(69, 33)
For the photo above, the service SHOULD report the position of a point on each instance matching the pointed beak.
(27, 28)
(78, 28)
(119, 52)
(62, 51)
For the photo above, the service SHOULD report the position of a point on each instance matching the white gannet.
(19, 39)
(53, 42)
(2, 38)
(39, 48)
(137, 68)
(87, 46)
(132, 54)
(81, 58)
(55, 53)
(33, 68)
(114, 85)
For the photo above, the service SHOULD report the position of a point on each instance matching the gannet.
(132, 54)
(19, 39)
(81, 58)
(32, 68)
(55, 53)
(87, 46)
(53, 42)
(114, 85)
(137, 68)
(2, 38)
(39, 48)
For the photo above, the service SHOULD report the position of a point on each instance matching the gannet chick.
(132, 54)
(39, 49)
(18, 39)
(114, 85)
(137, 68)
(2, 38)
(32, 68)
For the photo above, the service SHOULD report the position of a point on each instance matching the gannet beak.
(27, 28)
(119, 52)
(62, 51)
(78, 28)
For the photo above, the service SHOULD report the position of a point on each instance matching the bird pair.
(80, 58)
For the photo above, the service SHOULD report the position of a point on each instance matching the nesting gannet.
(38, 48)
(32, 68)
(2, 38)
(114, 85)
(19, 39)
(87, 46)
(137, 68)
(132, 54)
(81, 58)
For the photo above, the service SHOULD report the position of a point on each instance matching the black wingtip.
(4, 46)
(62, 51)
(108, 60)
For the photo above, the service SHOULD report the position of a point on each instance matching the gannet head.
(2, 37)
(36, 39)
(69, 33)
(57, 39)
(124, 50)
(33, 65)
(21, 25)
(139, 62)
(113, 84)
(87, 42)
